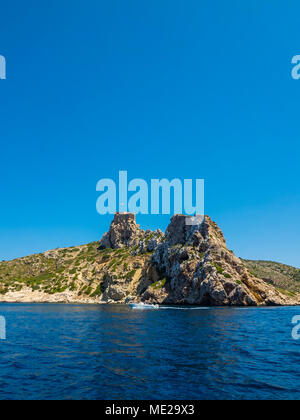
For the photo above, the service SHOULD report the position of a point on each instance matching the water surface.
(113, 352)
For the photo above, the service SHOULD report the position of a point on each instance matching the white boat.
(142, 306)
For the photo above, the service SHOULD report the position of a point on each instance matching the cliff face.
(123, 232)
(189, 264)
(201, 270)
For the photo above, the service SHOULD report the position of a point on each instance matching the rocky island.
(186, 265)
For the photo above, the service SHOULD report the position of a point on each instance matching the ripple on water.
(112, 352)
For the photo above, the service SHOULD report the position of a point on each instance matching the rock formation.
(188, 265)
(202, 271)
(194, 266)
(125, 233)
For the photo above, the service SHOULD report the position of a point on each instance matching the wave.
(144, 306)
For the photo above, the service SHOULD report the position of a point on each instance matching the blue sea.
(114, 352)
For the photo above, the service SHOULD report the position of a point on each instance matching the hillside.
(77, 274)
(186, 265)
(279, 275)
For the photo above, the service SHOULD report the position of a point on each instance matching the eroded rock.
(123, 232)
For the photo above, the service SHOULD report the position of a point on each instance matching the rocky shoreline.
(29, 296)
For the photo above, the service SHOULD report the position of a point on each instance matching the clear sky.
(160, 88)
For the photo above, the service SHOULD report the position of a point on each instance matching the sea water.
(114, 352)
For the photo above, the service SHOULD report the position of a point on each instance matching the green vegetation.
(49, 272)
(220, 270)
(283, 277)
(88, 291)
(120, 251)
(83, 289)
(72, 287)
(130, 274)
(159, 284)
(112, 263)
(286, 292)
(97, 292)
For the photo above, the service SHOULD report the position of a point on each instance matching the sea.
(114, 352)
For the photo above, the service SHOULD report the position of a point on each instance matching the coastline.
(29, 296)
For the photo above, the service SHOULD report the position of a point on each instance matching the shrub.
(97, 291)
(88, 291)
(159, 284)
(219, 269)
(130, 274)
(72, 287)
(82, 290)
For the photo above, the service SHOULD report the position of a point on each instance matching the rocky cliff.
(188, 265)
(201, 270)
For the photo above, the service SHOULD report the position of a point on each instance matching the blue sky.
(187, 89)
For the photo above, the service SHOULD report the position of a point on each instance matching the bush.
(72, 287)
(88, 291)
(219, 269)
(130, 274)
(97, 291)
(159, 284)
